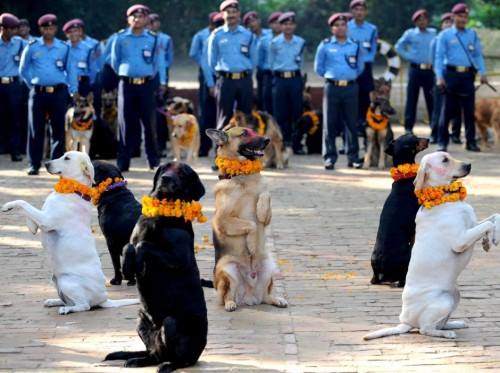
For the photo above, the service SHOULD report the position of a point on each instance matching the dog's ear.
(390, 148)
(87, 168)
(218, 137)
(421, 177)
(90, 98)
(159, 171)
(196, 188)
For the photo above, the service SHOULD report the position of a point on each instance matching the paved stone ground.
(322, 234)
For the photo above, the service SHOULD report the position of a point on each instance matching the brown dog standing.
(487, 115)
(244, 269)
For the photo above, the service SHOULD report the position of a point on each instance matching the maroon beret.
(446, 16)
(273, 17)
(418, 13)
(460, 8)
(355, 3)
(249, 16)
(229, 3)
(47, 20)
(348, 16)
(154, 17)
(211, 16)
(218, 17)
(286, 16)
(335, 17)
(138, 8)
(9, 20)
(74, 23)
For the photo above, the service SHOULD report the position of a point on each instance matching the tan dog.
(79, 123)
(487, 115)
(185, 136)
(244, 269)
(265, 125)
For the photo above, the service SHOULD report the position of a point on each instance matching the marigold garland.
(187, 137)
(81, 125)
(67, 186)
(315, 121)
(378, 122)
(234, 167)
(106, 185)
(434, 196)
(404, 171)
(261, 125)
(153, 207)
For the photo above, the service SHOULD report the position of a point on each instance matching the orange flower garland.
(67, 186)
(78, 125)
(434, 196)
(378, 122)
(103, 187)
(234, 167)
(261, 125)
(315, 121)
(153, 207)
(188, 136)
(404, 171)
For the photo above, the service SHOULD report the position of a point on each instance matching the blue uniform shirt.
(414, 45)
(90, 41)
(197, 43)
(286, 55)
(83, 60)
(263, 52)
(10, 53)
(458, 48)
(106, 54)
(232, 51)
(167, 48)
(208, 73)
(48, 66)
(366, 35)
(339, 61)
(137, 55)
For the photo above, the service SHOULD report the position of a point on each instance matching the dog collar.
(404, 171)
(261, 125)
(378, 122)
(433, 196)
(67, 186)
(190, 211)
(315, 121)
(82, 124)
(228, 168)
(106, 186)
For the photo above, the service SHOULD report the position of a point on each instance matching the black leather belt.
(341, 83)
(286, 74)
(49, 88)
(84, 79)
(421, 66)
(8, 79)
(233, 76)
(265, 72)
(137, 80)
(459, 69)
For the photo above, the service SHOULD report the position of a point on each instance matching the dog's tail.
(110, 303)
(207, 283)
(400, 329)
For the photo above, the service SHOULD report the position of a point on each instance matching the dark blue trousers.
(40, 104)
(208, 115)
(109, 79)
(340, 106)
(288, 107)
(136, 105)
(233, 93)
(267, 91)
(459, 98)
(417, 79)
(456, 122)
(365, 86)
(11, 99)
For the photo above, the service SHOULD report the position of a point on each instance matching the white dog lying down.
(66, 234)
(444, 240)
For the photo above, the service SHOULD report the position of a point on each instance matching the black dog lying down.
(396, 232)
(118, 211)
(173, 322)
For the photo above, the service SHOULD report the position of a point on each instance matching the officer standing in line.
(11, 48)
(366, 34)
(24, 30)
(438, 97)
(340, 61)
(165, 42)
(232, 55)
(108, 77)
(82, 56)
(286, 60)
(458, 59)
(414, 47)
(47, 70)
(266, 91)
(136, 58)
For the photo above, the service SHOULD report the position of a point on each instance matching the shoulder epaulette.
(121, 31)
(32, 41)
(152, 33)
(327, 40)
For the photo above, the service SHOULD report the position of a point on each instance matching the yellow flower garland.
(102, 187)
(188, 136)
(378, 122)
(434, 196)
(261, 125)
(404, 171)
(315, 122)
(153, 207)
(234, 167)
(67, 186)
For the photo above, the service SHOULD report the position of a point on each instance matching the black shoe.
(329, 165)
(355, 164)
(442, 148)
(342, 151)
(16, 157)
(473, 148)
(33, 171)
(299, 152)
(456, 140)
(214, 168)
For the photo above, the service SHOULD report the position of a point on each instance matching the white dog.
(444, 240)
(66, 234)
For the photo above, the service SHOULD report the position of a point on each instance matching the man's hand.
(212, 91)
(484, 79)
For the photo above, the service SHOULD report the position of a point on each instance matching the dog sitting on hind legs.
(79, 122)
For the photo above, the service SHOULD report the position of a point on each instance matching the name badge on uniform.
(82, 65)
(147, 55)
(351, 61)
(367, 45)
(17, 58)
(244, 49)
(298, 59)
(471, 47)
(60, 64)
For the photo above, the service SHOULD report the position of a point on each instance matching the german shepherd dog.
(310, 125)
(378, 130)
(104, 143)
(265, 125)
(244, 269)
(79, 123)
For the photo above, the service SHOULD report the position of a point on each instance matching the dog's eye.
(66, 158)
(445, 160)
(244, 133)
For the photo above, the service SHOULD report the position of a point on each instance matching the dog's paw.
(133, 363)
(7, 207)
(450, 334)
(53, 303)
(64, 310)
(280, 302)
(230, 306)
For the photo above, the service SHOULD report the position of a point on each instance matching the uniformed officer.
(458, 59)
(109, 79)
(438, 96)
(24, 30)
(232, 55)
(82, 56)
(414, 47)
(340, 61)
(136, 58)
(366, 34)
(47, 70)
(11, 48)
(286, 60)
(266, 91)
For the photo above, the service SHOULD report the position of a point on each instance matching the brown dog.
(109, 111)
(265, 125)
(185, 136)
(79, 123)
(244, 269)
(488, 116)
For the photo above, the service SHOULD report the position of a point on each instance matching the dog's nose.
(47, 165)
(467, 167)
(266, 141)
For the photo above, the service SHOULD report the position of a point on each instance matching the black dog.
(396, 232)
(118, 212)
(173, 323)
(310, 124)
